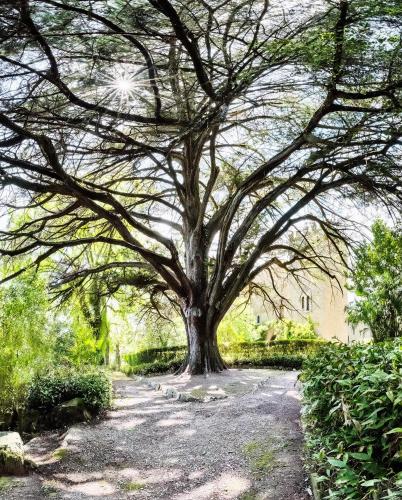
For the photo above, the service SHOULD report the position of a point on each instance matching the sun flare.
(123, 85)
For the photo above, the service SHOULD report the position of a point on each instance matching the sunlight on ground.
(293, 394)
(94, 488)
(226, 487)
(150, 476)
(131, 423)
(171, 422)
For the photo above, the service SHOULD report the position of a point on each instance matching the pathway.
(247, 446)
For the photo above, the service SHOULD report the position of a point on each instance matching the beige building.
(318, 297)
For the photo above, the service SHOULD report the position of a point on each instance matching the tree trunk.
(203, 355)
(118, 357)
(200, 319)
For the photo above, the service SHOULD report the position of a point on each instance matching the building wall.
(326, 305)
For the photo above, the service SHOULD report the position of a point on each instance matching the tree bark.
(203, 355)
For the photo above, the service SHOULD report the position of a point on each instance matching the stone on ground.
(204, 388)
(11, 454)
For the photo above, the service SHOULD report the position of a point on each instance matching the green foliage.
(75, 343)
(352, 412)
(93, 386)
(377, 282)
(163, 354)
(286, 361)
(280, 353)
(236, 326)
(291, 361)
(159, 332)
(155, 367)
(288, 329)
(25, 336)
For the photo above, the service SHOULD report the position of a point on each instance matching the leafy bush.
(48, 390)
(293, 330)
(353, 418)
(288, 329)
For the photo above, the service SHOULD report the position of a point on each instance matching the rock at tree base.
(11, 454)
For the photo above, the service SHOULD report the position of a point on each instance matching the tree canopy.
(377, 282)
(197, 137)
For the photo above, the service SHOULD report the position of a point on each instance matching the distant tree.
(26, 338)
(197, 136)
(377, 282)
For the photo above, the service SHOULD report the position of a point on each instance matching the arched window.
(306, 302)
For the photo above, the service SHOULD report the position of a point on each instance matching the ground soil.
(245, 446)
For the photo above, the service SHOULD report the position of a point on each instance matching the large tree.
(198, 136)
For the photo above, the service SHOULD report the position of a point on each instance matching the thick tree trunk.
(199, 317)
(203, 355)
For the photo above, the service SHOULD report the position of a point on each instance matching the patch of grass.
(60, 453)
(49, 489)
(261, 456)
(249, 495)
(5, 483)
(133, 486)
(199, 393)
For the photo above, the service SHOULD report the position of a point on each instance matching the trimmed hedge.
(162, 354)
(157, 367)
(161, 367)
(353, 419)
(275, 361)
(279, 354)
(283, 353)
(48, 390)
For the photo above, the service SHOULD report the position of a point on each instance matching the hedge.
(161, 367)
(163, 354)
(352, 398)
(48, 390)
(279, 353)
(254, 350)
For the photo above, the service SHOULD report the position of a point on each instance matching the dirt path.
(244, 447)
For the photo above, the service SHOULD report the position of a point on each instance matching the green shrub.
(353, 419)
(287, 329)
(58, 386)
(291, 361)
(260, 349)
(156, 367)
(276, 361)
(258, 353)
(163, 354)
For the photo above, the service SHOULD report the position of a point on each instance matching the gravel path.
(247, 447)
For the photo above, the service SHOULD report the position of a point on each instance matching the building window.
(306, 303)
